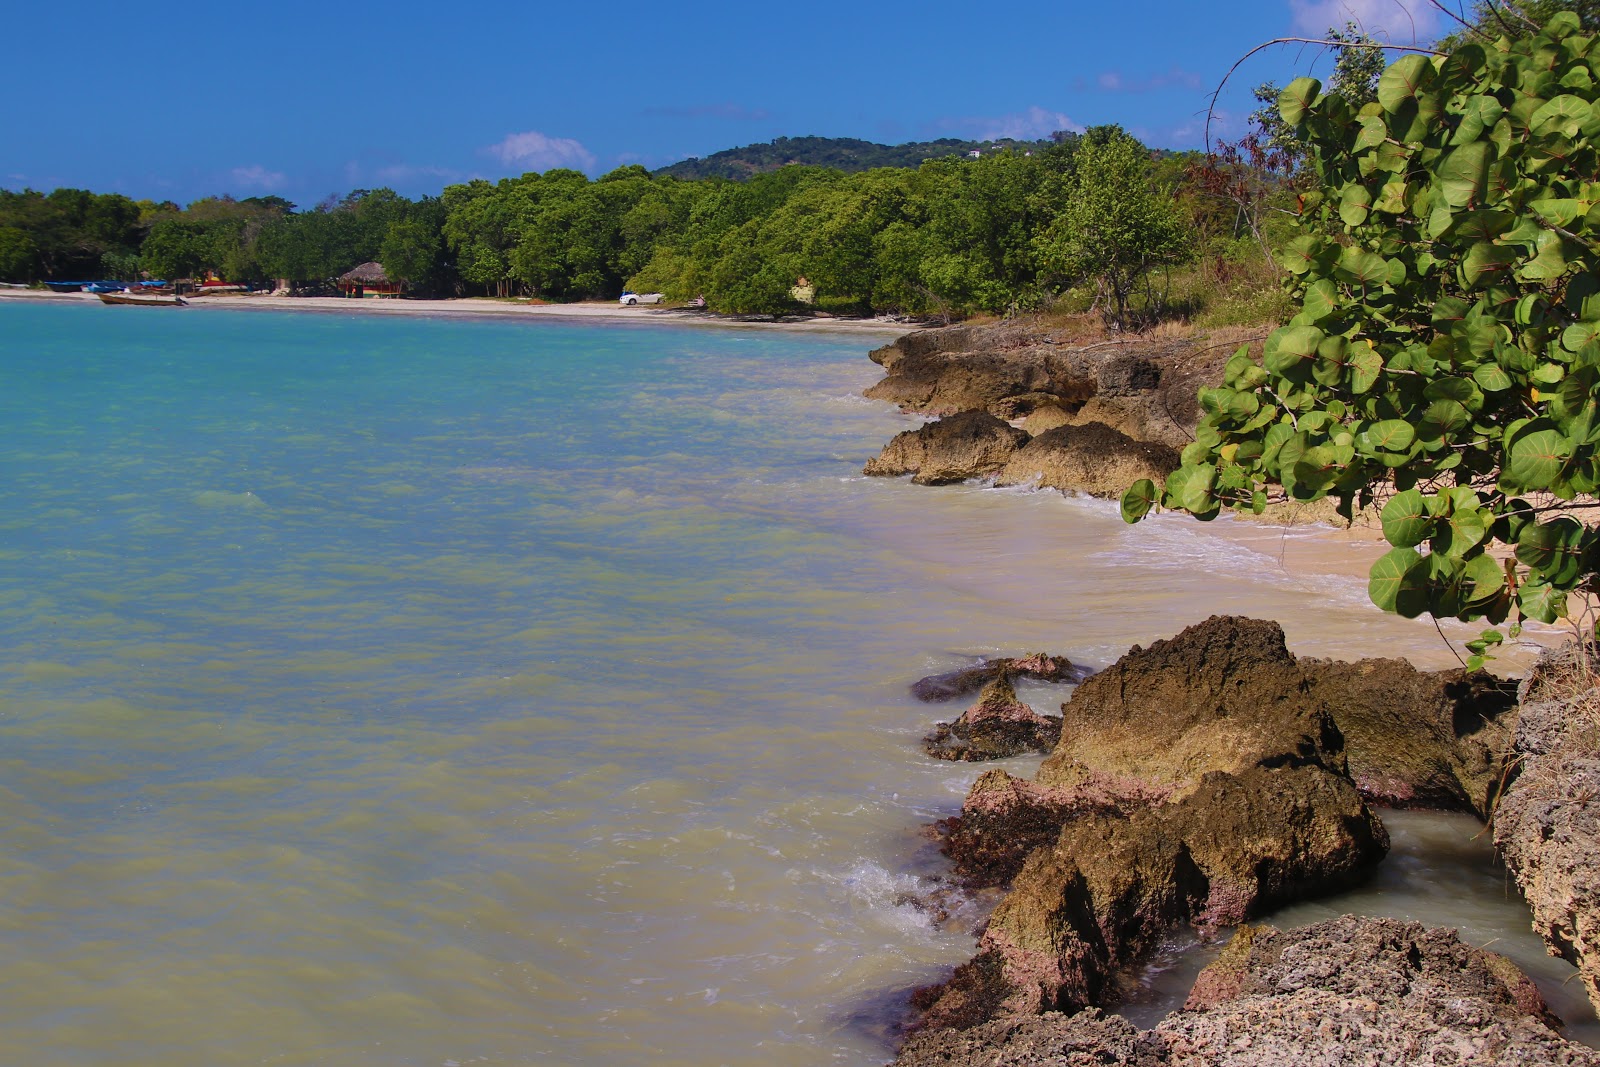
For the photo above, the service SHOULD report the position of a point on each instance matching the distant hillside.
(840, 153)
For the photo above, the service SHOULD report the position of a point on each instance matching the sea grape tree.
(1443, 362)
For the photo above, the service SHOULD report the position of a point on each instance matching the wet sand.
(593, 311)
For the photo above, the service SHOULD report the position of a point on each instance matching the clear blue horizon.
(304, 101)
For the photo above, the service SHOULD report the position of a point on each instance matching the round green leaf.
(1400, 82)
(1137, 501)
(1491, 379)
(1289, 351)
(1537, 600)
(1442, 418)
(1405, 519)
(1391, 435)
(1354, 204)
(1486, 578)
(1362, 268)
(1296, 98)
(1536, 459)
(1190, 488)
(1464, 173)
(1398, 582)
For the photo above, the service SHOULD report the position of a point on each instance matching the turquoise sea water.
(383, 691)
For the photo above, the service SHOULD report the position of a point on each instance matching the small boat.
(64, 287)
(144, 300)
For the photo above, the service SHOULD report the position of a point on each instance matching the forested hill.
(838, 153)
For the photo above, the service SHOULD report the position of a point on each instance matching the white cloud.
(257, 177)
(1030, 125)
(534, 151)
(1400, 21)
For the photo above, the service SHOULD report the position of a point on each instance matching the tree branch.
(1323, 41)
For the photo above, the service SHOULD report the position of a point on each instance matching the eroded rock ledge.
(1348, 991)
(1093, 419)
(1203, 780)
(1547, 826)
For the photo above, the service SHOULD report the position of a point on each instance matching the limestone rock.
(1223, 695)
(1361, 990)
(1088, 1039)
(1547, 825)
(1005, 819)
(1351, 991)
(997, 726)
(1022, 405)
(1046, 418)
(1090, 458)
(1430, 739)
(972, 444)
(1040, 666)
(1102, 895)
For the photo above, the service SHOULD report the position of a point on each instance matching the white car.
(635, 299)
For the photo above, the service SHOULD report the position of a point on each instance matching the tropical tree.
(1444, 364)
(1114, 227)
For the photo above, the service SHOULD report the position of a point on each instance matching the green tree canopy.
(1445, 358)
(1114, 226)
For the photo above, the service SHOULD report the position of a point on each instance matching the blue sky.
(308, 99)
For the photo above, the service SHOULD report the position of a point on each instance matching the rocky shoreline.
(1214, 777)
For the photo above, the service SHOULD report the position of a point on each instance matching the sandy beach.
(593, 311)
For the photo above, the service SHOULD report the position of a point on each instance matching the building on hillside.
(369, 279)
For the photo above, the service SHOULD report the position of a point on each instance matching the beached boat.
(144, 300)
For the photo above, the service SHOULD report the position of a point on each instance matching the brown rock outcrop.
(972, 444)
(1046, 418)
(1089, 458)
(1223, 695)
(997, 726)
(1090, 905)
(1200, 780)
(1142, 386)
(1348, 991)
(1547, 824)
(1420, 739)
(1040, 666)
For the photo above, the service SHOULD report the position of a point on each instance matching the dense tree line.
(838, 153)
(949, 237)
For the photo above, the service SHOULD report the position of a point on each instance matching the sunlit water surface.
(430, 692)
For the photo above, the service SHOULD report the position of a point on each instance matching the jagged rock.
(1359, 990)
(1088, 1039)
(1022, 405)
(1089, 906)
(997, 726)
(1004, 820)
(1547, 824)
(1200, 780)
(1037, 665)
(1142, 386)
(1087, 458)
(1429, 739)
(1351, 991)
(972, 444)
(1046, 418)
(1223, 695)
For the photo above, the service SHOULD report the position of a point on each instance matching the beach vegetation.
(1442, 361)
(1115, 226)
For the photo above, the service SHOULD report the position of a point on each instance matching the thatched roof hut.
(369, 279)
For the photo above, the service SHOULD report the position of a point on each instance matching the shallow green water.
(435, 692)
